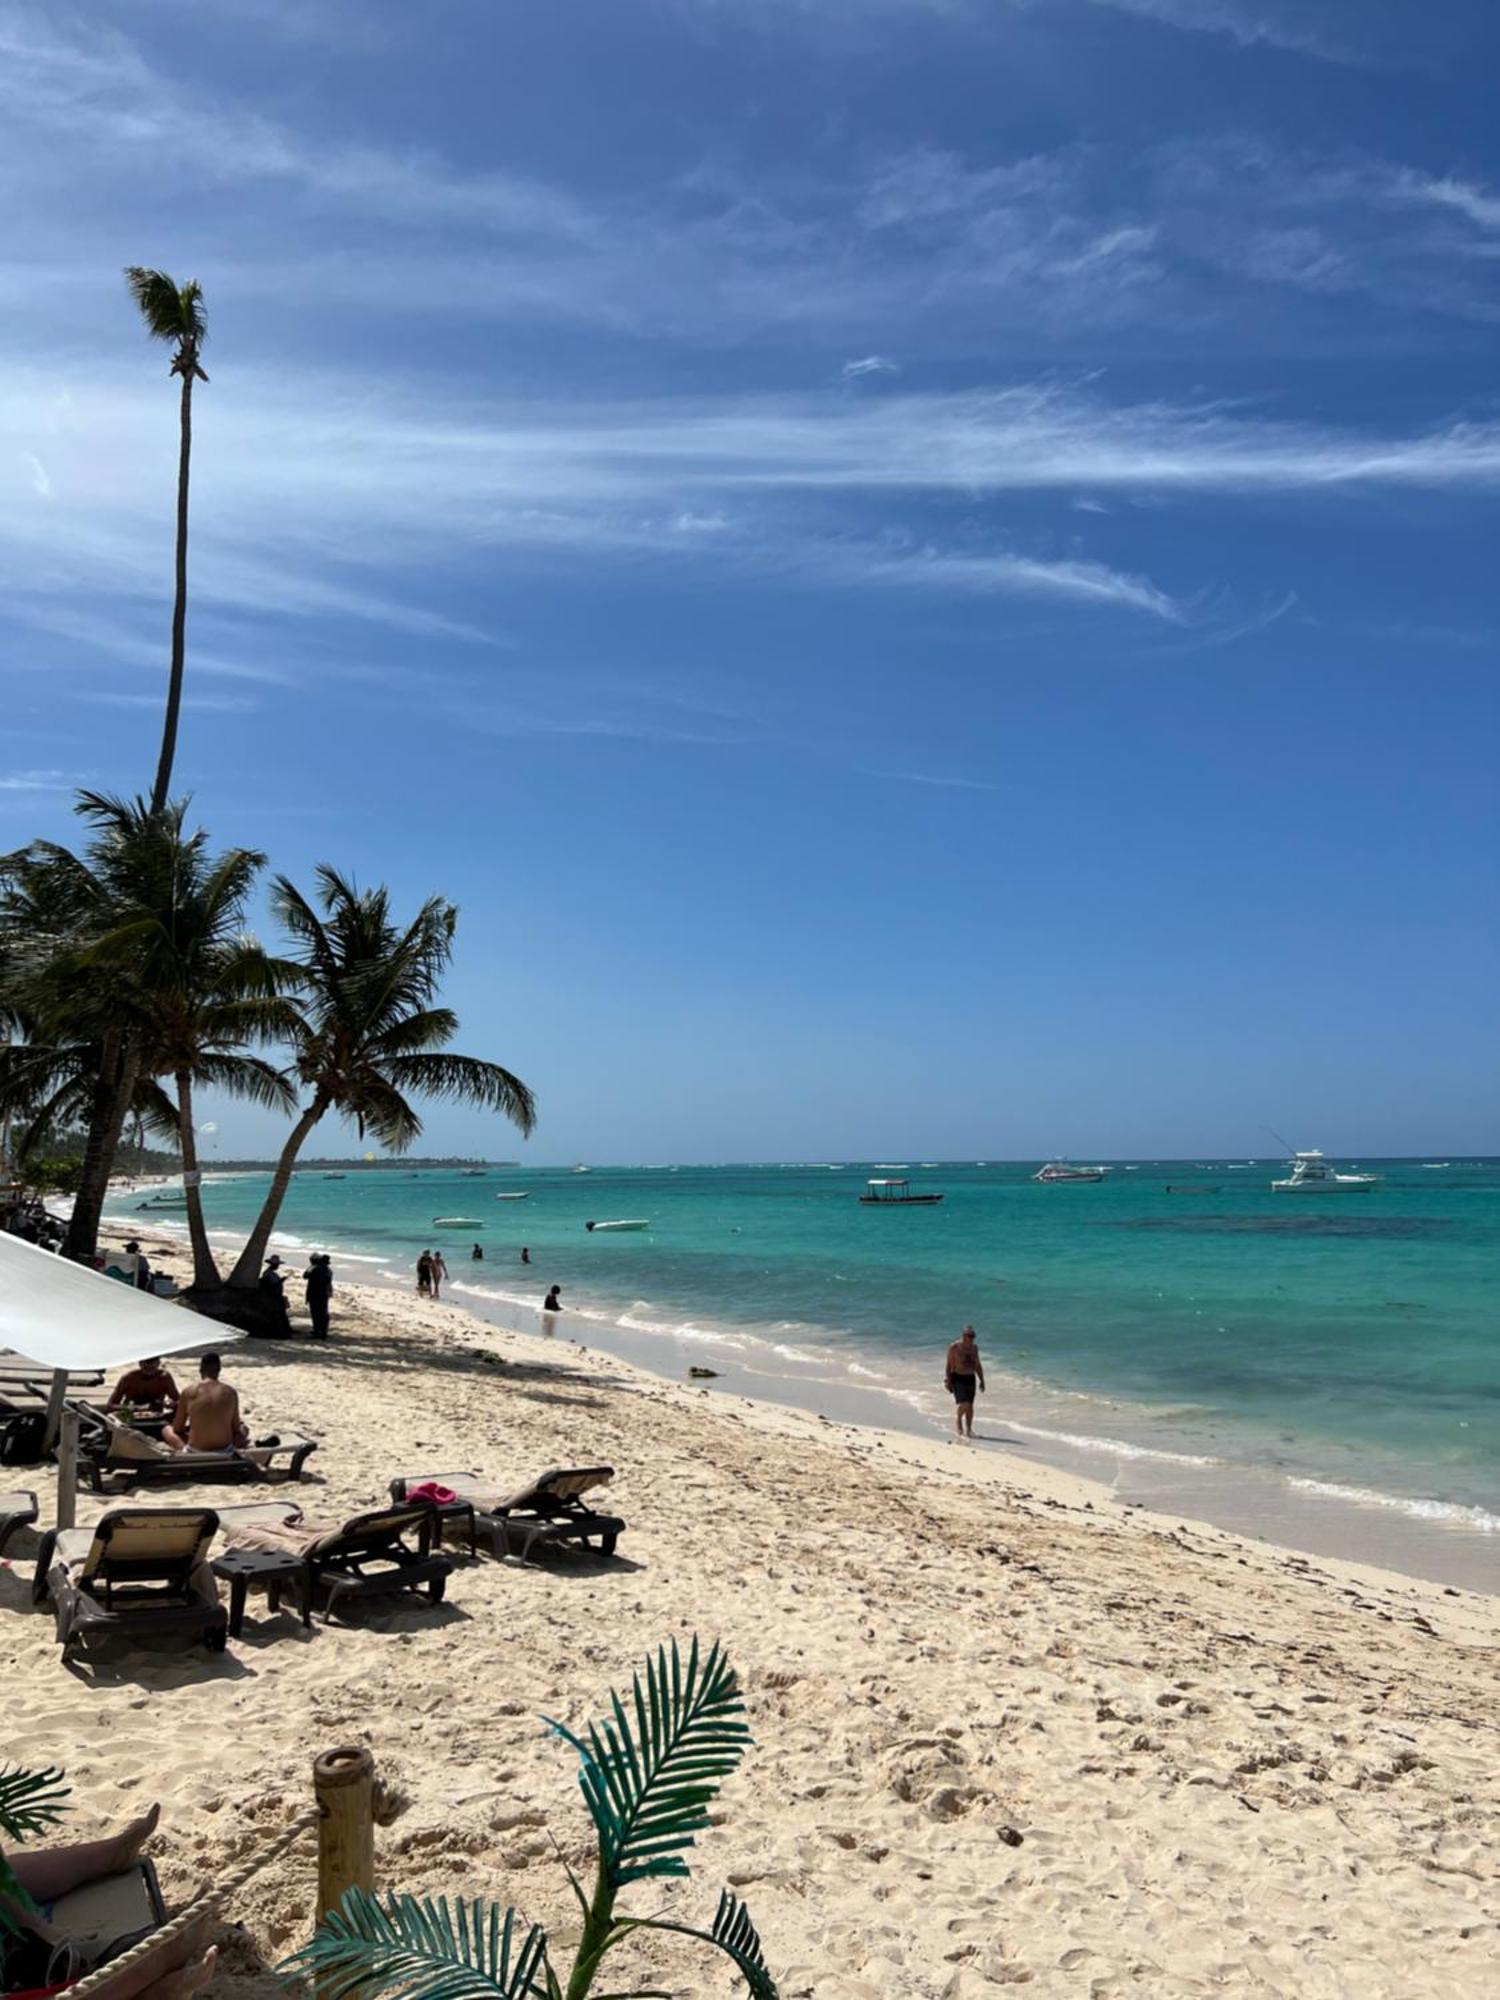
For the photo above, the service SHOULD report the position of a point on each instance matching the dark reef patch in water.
(1292, 1225)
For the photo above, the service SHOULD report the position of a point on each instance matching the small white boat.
(1433, 1166)
(457, 1222)
(896, 1194)
(523, 1195)
(601, 1226)
(1061, 1170)
(1311, 1174)
(163, 1201)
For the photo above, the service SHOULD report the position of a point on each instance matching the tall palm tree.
(368, 1036)
(123, 966)
(174, 313)
(209, 993)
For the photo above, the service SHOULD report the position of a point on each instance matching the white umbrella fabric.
(64, 1318)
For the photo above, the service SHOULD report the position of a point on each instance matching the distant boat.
(1060, 1170)
(896, 1194)
(1432, 1166)
(523, 1195)
(474, 1173)
(582, 1170)
(163, 1201)
(335, 1177)
(1311, 1174)
(599, 1226)
(457, 1222)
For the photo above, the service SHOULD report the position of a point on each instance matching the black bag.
(23, 1438)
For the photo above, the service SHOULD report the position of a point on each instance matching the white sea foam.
(872, 1374)
(1478, 1519)
(1111, 1447)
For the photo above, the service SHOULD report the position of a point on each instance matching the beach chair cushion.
(132, 1452)
(138, 1570)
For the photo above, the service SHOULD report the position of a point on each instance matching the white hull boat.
(1061, 1170)
(1311, 1174)
(457, 1222)
(600, 1227)
(524, 1195)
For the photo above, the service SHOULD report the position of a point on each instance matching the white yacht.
(1062, 1170)
(1311, 1174)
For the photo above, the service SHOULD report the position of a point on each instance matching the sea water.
(1339, 1346)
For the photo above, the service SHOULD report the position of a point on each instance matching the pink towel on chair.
(428, 1493)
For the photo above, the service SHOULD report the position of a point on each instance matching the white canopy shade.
(64, 1317)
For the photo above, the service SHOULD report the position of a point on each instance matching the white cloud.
(36, 781)
(947, 783)
(1248, 23)
(871, 364)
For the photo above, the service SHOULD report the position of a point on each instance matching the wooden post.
(55, 1398)
(67, 1470)
(344, 1786)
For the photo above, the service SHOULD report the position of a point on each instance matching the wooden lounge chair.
(17, 1510)
(369, 1556)
(127, 1457)
(548, 1512)
(139, 1572)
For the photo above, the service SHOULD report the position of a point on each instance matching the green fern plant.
(648, 1772)
(31, 1802)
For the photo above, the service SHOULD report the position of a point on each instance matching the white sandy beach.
(1007, 1732)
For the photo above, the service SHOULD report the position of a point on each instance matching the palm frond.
(649, 1777)
(465, 1080)
(733, 1933)
(31, 1801)
(171, 311)
(414, 1948)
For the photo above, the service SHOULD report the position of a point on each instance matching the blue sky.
(922, 571)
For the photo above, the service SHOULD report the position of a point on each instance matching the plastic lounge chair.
(369, 1556)
(17, 1510)
(129, 1458)
(549, 1511)
(139, 1572)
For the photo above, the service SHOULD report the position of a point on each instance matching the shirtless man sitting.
(147, 1388)
(208, 1414)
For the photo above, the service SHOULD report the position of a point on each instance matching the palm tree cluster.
(128, 983)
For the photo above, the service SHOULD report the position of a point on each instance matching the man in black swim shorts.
(964, 1370)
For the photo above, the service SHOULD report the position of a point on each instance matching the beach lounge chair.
(17, 1510)
(139, 1572)
(127, 1457)
(547, 1512)
(369, 1556)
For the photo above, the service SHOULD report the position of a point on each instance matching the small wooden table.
(239, 1568)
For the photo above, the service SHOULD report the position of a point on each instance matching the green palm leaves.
(649, 1787)
(649, 1772)
(417, 1949)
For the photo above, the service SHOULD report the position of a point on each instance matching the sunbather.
(208, 1414)
(147, 1387)
(37, 1952)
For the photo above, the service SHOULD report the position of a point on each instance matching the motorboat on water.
(457, 1222)
(1063, 1170)
(896, 1194)
(163, 1201)
(1311, 1174)
(522, 1194)
(600, 1226)
(335, 1177)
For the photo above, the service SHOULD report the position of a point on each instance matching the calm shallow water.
(1343, 1341)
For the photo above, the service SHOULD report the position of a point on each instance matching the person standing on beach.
(424, 1275)
(964, 1369)
(439, 1270)
(551, 1307)
(318, 1281)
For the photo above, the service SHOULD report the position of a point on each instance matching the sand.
(1007, 1733)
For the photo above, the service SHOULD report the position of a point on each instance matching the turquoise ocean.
(1338, 1349)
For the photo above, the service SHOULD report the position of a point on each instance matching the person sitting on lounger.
(147, 1388)
(36, 1953)
(208, 1414)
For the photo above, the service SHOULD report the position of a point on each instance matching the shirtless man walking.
(208, 1414)
(964, 1369)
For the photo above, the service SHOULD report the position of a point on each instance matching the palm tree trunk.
(113, 1090)
(179, 608)
(246, 1272)
(205, 1270)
